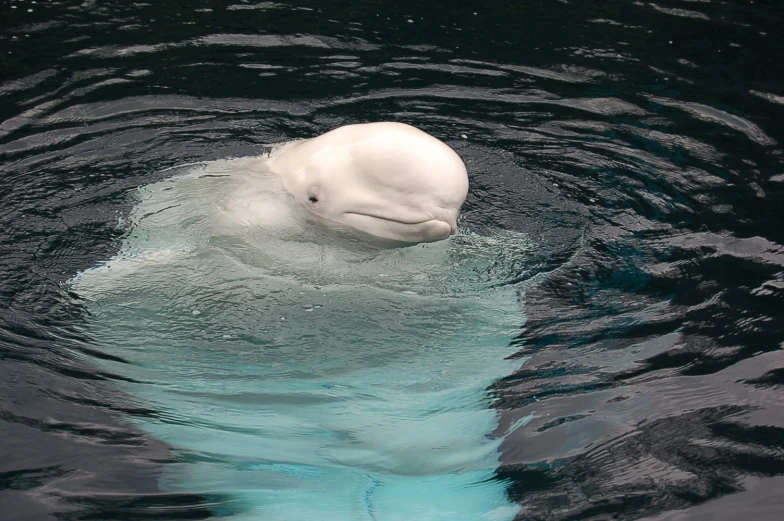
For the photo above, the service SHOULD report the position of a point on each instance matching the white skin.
(387, 180)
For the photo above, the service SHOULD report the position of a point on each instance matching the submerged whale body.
(298, 370)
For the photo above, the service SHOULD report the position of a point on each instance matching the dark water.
(638, 142)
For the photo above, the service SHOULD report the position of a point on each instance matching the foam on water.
(298, 372)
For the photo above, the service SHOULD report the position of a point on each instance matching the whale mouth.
(400, 230)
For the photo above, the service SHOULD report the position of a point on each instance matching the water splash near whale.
(301, 373)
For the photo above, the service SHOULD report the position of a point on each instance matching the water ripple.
(638, 145)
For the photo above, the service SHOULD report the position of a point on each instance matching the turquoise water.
(300, 373)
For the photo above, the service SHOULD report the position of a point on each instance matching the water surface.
(638, 144)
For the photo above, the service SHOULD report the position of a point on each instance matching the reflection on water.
(637, 144)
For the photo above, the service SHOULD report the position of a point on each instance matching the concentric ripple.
(636, 145)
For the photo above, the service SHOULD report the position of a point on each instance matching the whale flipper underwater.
(299, 370)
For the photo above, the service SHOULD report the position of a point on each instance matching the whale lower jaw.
(383, 228)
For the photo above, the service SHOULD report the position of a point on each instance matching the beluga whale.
(315, 332)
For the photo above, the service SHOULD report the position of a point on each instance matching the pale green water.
(299, 372)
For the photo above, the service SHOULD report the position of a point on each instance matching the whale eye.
(313, 199)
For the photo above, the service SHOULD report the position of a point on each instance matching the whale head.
(389, 181)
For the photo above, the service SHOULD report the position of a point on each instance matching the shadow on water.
(638, 142)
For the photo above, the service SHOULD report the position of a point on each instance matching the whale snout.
(433, 230)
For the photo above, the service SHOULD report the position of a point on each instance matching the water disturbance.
(602, 338)
(303, 374)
